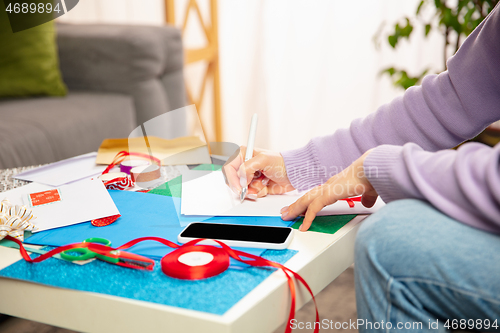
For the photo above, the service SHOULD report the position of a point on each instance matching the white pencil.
(249, 154)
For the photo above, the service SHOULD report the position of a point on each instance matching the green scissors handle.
(85, 253)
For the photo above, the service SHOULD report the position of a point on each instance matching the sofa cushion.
(43, 130)
(142, 61)
(116, 56)
(29, 61)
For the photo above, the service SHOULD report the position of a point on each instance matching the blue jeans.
(413, 264)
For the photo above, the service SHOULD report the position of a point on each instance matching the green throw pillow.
(29, 64)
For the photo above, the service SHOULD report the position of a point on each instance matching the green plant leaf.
(428, 28)
(393, 40)
(401, 79)
(468, 15)
(390, 71)
(461, 4)
(405, 81)
(406, 30)
(459, 16)
(420, 6)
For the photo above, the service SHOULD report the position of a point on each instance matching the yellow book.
(183, 150)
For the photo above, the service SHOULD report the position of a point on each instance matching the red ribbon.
(121, 156)
(172, 267)
(350, 201)
(121, 183)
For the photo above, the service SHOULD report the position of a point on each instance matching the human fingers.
(258, 184)
(248, 169)
(260, 194)
(312, 210)
(300, 206)
(275, 188)
(231, 167)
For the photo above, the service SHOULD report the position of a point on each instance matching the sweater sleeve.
(444, 111)
(463, 183)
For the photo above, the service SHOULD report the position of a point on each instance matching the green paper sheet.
(326, 224)
(173, 188)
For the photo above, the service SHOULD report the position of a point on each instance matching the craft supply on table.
(173, 188)
(143, 214)
(178, 151)
(77, 202)
(15, 219)
(122, 180)
(99, 251)
(215, 295)
(64, 172)
(124, 155)
(171, 266)
(13, 245)
(117, 181)
(328, 224)
(223, 202)
(146, 176)
(127, 165)
(248, 154)
(104, 221)
(7, 180)
(106, 177)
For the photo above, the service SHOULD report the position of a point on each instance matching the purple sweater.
(411, 132)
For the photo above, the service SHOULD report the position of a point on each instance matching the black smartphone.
(276, 238)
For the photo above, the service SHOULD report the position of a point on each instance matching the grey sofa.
(118, 78)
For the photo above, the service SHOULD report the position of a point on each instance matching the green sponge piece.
(326, 224)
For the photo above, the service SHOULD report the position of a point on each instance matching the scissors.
(100, 248)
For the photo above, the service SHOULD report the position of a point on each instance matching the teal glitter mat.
(215, 295)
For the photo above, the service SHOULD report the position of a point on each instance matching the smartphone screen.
(234, 232)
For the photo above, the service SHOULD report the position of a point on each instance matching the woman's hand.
(264, 173)
(350, 182)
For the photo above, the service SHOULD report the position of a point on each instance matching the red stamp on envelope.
(45, 197)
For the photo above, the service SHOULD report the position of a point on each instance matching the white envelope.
(206, 193)
(79, 202)
(65, 171)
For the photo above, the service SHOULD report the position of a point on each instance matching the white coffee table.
(321, 258)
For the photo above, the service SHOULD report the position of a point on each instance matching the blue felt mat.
(214, 295)
(143, 215)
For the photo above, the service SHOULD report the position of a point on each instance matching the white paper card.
(80, 202)
(206, 193)
(65, 171)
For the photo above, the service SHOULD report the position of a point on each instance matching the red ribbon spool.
(216, 266)
(171, 266)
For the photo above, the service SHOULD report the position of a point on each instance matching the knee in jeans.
(388, 235)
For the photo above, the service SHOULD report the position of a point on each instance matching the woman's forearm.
(463, 183)
(441, 113)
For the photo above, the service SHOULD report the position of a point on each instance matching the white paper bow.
(14, 220)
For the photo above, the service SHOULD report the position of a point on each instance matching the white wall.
(116, 11)
(308, 67)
